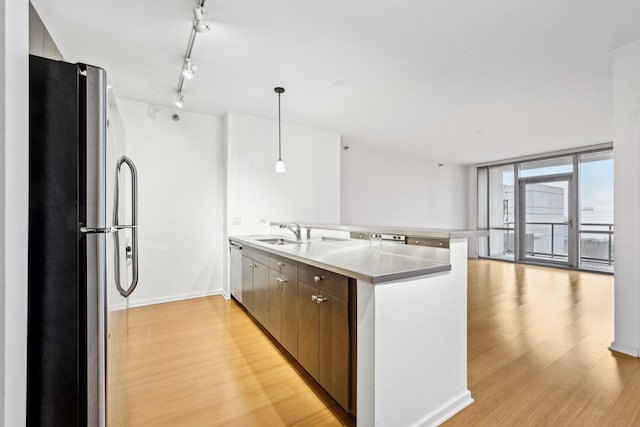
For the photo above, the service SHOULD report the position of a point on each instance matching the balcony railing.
(587, 254)
(606, 229)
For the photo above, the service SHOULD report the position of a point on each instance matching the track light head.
(201, 27)
(200, 18)
(189, 70)
(180, 100)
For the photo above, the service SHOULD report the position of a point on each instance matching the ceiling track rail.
(187, 55)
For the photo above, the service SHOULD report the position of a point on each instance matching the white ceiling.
(457, 80)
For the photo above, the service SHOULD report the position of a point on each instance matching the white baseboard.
(225, 295)
(622, 348)
(446, 411)
(170, 298)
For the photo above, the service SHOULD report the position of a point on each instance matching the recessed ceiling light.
(340, 82)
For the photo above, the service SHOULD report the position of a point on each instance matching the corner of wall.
(226, 285)
(41, 42)
(626, 121)
(14, 210)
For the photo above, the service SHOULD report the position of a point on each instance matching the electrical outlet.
(236, 220)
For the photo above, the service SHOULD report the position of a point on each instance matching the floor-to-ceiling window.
(551, 210)
(501, 212)
(596, 211)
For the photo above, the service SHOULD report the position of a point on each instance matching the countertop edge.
(392, 277)
(435, 233)
(385, 278)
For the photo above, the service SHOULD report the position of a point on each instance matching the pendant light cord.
(279, 132)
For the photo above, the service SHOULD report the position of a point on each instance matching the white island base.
(412, 347)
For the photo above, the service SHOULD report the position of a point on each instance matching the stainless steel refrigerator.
(83, 247)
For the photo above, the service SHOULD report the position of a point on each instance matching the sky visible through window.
(596, 187)
(596, 191)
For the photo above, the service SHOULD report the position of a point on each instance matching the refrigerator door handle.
(124, 160)
(90, 230)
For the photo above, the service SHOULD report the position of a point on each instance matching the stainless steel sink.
(278, 241)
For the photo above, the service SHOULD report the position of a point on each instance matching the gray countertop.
(350, 259)
(437, 233)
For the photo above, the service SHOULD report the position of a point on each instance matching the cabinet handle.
(281, 264)
(317, 278)
(281, 280)
(320, 299)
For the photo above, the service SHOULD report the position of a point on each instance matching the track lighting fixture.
(189, 70)
(180, 100)
(200, 20)
(200, 24)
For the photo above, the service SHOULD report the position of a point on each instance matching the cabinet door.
(334, 349)
(290, 315)
(308, 329)
(260, 292)
(247, 283)
(274, 316)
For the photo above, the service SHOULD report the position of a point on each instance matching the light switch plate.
(236, 220)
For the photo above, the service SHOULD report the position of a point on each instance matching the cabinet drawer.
(283, 265)
(326, 281)
(256, 255)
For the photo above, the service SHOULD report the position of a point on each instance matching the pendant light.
(279, 164)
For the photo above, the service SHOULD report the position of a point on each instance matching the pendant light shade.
(280, 168)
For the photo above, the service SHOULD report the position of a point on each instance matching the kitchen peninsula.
(376, 315)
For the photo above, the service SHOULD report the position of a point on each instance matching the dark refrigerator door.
(56, 362)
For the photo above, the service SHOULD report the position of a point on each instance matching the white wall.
(626, 152)
(40, 41)
(383, 187)
(14, 211)
(181, 202)
(308, 192)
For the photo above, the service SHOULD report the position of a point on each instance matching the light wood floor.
(203, 362)
(537, 356)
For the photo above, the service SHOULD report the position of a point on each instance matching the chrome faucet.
(294, 228)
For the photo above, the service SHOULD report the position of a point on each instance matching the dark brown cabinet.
(274, 322)
(247, 283)
(308, 328)
(323, 330)
(255, 283)
(283, 302)
(306, 309)
(260, 291)
(333, 348)
(290, 316)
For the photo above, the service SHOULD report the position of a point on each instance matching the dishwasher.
(235, 271)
